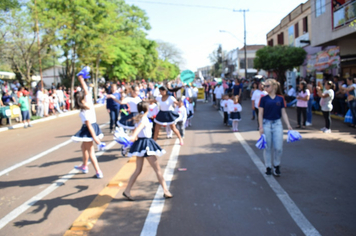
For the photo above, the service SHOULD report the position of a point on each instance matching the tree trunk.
(73, 77)
(281, 75)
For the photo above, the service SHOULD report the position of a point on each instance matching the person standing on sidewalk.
(256, 97)
(310, 104)
(302, 104)
(25, 111)
(326, 104)
(271, 110)
(351, 98)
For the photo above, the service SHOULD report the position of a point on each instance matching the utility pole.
(244, 11)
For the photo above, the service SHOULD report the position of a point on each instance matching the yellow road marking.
(86, 221)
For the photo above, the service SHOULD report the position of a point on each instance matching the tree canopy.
(279, 59)
(108, 35)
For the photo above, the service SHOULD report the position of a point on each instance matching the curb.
(69, 113)
(332, 116)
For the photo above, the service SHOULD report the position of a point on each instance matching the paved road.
(222, 192)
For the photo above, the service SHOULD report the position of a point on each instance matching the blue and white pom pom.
(122, 138)
(293, 136)
(101, 146)
(262, 143)
(85, 72)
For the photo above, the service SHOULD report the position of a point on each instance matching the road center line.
(22, 208)
(11, 168)
(291, 207)
(154, 215)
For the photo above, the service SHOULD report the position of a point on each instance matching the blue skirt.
(235, 116)
(144, 147)
(127, 122)
(167, 118)
(83, 135)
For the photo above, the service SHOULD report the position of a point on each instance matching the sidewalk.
(43, 119)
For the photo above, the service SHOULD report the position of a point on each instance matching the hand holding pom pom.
(262, 143)
(85, 72)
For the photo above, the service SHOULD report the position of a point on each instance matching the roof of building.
(252, 47)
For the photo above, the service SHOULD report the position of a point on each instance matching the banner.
(324, 60)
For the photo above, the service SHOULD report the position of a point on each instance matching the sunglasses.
(267, 86)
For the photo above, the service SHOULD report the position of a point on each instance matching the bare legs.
(88, 151)
(173, 128)
(154, 163)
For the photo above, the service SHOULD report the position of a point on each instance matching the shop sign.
(324, 60)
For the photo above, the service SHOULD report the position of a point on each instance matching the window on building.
(296, 30)
(319, 7)
(270, 43)
(242, 63)
(280, 39)
(250, 63)
(305, 25)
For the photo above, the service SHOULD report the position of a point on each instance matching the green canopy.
(187, 76)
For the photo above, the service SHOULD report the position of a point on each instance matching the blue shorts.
(25, 115)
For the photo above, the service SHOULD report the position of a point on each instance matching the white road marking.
(22, 208)
(291, 207)
(11, 168)
(154, 215)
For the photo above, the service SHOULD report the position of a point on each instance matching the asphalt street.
(216, 178)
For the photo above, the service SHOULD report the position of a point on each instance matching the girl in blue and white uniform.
(190, 111)
(235, 109)
(127, 121)
(90, 131)
(166, 115)
(145, 147)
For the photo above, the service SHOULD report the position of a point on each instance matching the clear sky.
(195, 30)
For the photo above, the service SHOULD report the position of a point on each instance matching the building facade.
(52, 75)
(331, 22)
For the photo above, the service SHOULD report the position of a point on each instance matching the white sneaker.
(308, 124)
(328, 131)
(323, 129)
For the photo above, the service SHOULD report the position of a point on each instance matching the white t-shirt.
(218, 91)
(235, 107)
(88, 114)
(326, 103)
(166, 105)
(225, 105)
(146, 132)
(195, 92)
(182, 112)
(152, 110)
(61, 95)
(156, 92)
(189, 92)
(256, 96)
(291, 92)
(39, 96)
(132, 102)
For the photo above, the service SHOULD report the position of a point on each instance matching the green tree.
(279, 59)
(71, 21)
(7, 5)
(19, 48)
